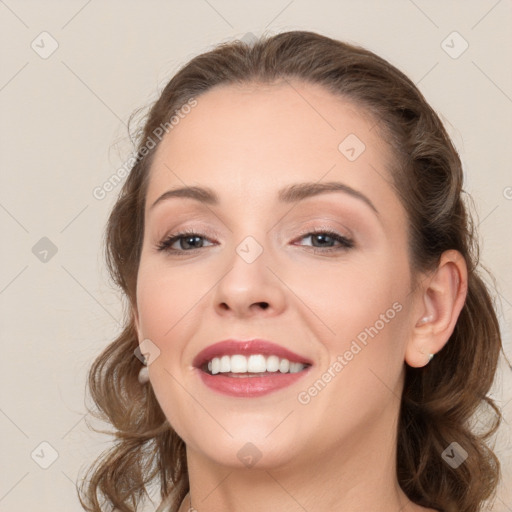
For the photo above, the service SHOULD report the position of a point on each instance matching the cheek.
(364, 307)
(165, 300)
(165, 297)
(349, 296)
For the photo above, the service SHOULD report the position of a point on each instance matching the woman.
(303, 286)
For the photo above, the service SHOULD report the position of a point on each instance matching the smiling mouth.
(255, 365)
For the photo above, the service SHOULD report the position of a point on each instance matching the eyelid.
(205, 230)
(322, 229)
(302, 226)
(327, 225)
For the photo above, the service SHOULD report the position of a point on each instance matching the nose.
(249, 287)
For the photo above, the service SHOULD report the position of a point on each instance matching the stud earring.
(424, 320)
(430, 357)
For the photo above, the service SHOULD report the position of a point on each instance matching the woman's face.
(253, 269)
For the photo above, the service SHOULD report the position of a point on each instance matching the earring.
(143, 375)
(430, 357)
(424, 320)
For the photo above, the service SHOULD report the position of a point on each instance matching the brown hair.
(438, 400)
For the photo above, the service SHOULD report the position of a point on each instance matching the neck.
(356, 476)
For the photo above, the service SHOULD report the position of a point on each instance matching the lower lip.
(247, 387)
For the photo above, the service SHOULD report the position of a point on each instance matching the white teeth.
(238, 364)
(284, 366)
(272, 363)
(295, 367)
(255, 363)
(225, 364)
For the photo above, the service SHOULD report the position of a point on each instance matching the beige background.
(61, 116)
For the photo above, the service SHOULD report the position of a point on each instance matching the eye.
(325, 240)
(188, 240)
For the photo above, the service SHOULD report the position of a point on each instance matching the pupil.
(322, 237)
(188, 239)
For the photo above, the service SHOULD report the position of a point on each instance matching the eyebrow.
(289, 194)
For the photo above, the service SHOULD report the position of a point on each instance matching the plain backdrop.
(73, 72)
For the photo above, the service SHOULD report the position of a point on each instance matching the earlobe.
(442, 298)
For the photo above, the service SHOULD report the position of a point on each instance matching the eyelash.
(346, 243)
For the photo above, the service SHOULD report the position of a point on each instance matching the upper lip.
(254, 346)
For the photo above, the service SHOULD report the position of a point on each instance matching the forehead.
(249, 140)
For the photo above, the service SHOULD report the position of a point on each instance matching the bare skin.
(334, 449)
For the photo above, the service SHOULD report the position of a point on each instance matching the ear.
(441, 298)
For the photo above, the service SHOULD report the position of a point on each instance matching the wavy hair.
(438, 402)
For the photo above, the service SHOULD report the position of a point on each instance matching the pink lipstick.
(249, 368)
